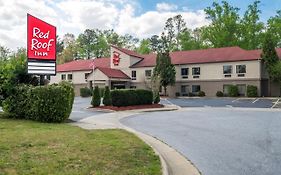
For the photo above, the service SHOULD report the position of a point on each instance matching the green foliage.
(233, 91)
(219, 94)
(51, 103)
(14, 72)
(201, 94)
(274, 27)
(156, 99)
(165, 70)
(144, 47)
(107, 101)
(4, 53)
(85, 92)
(129, 97)
(252, 91)
(96, 99)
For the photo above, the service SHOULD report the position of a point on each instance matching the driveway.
(219, 141)
(79, 110)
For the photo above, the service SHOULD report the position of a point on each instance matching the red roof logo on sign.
(41, 39)
(116, 58)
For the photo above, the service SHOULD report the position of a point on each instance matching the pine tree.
(96, 99)
(107, 97)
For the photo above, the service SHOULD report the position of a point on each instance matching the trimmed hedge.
(52, 103)
(252, 91)
(219, 94)
(85, 92)
(130, 97)
(233, 91)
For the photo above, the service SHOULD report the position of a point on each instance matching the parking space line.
(255, 100)
(229, 106)
(275, 103)
(235, 100)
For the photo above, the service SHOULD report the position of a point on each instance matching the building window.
(226, 89)
(69, 77)
(184, 89)
(196, 88)
(134, 75)
(133, 87)
(196, 71)
(227, 69)
(48, 77)
(184, 72)
(63, 77)
(86, 75)
(148, 73)
(240, 69)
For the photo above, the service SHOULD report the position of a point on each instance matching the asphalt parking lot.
(226, 102)
(219, 141)
(79, 110)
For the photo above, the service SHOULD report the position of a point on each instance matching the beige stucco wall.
(78, 77)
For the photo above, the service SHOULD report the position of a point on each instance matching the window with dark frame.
(184, 72)
(227, 69)
(196, 88)
(63, 77)
(240, 69)
(148, 73)
(69, 76)
(134, 75)
(196, 71)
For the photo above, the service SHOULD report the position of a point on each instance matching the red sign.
(116, 58)
(41, 39)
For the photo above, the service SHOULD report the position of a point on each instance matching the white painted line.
(275, 103)
(255, 100)
(229, 106)
(169, 102)
(236, 100)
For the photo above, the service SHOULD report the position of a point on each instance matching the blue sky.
(268, 7)
(139, 18)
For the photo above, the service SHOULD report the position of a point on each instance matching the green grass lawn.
(28, 147)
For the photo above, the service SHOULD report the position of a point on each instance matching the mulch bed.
(125, 108)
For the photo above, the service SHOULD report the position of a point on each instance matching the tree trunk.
(165, 90)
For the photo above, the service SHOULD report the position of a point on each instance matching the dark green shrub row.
(201, 94)
(219, 94)
(131, 97)
(51, 103)
(85, 92)
(252, 91)
(233, 91)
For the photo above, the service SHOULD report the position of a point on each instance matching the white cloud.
(74, 16)
(163, 6)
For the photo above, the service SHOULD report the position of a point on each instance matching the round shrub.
(156, 98)
(85, 92)
(252, 91)
(219, 94)
(96, 99)
(233, 91)
(201, 94)
(107, 97)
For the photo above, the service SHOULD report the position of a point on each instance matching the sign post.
(41, 47)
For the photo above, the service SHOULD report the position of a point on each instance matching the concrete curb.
(172, 162)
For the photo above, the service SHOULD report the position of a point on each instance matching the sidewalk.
(173, 163)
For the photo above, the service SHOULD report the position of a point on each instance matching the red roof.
(212, 55)
(113, 73)
(83, 65)
(128, 52)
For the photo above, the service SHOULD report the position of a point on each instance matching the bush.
(107, 97)
(219, 94)
(51, 103)
(233, 91)
(252, 91)
(156, 98)
(131, 97)
(190, 94)
(201, 94)
(85, 92)
(96, 97)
